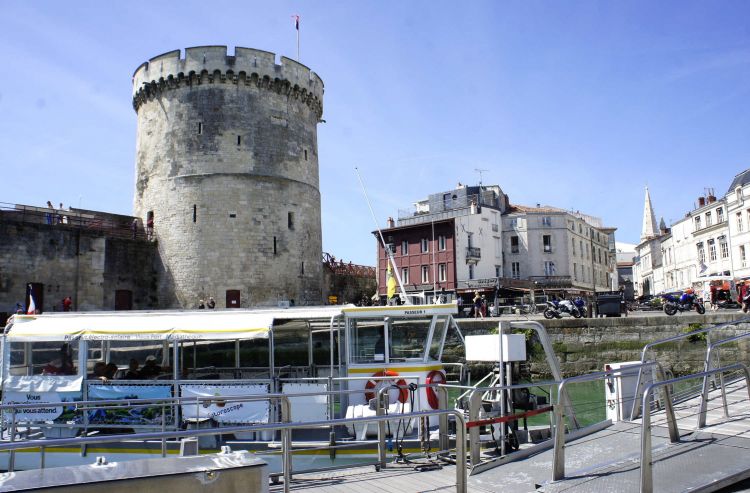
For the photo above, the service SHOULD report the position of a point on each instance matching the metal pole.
(380, 411)
(474, 446)
(460, 452)
(286, 442)
(502, 391)
(382, 240)
(12, 459)
(558, 453)
(443, 439)
(647, 484)
(163, 429)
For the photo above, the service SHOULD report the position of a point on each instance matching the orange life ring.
(434, 377)
(403, 393)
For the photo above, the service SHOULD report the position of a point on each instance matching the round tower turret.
(227, 170)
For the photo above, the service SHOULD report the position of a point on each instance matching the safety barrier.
(285, 427)
(558, 455)
(647, 480)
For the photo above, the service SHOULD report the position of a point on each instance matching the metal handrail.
(647, 484)
(285, 428)
(383, 394)
(558, 453)
(475, 395)
(113, 224)
(283, 399)
(704, 330)
(549, 353)
(707, 366)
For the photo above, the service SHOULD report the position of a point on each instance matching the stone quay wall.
(586, 345)
(227, 166)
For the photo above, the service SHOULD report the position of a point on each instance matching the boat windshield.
(409, 339)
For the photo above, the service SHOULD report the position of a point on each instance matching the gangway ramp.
(708, 459)
(607, 460)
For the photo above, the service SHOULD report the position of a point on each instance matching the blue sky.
(576, 105)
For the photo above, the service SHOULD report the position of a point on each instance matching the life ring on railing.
(434, 377)
(373, 385)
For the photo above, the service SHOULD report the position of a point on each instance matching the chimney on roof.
(391, 223)
(538, 205)
(711, 199)
(701, 201)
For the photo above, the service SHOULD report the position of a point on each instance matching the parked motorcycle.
(685, 303)
(556, 309)
(728, 305)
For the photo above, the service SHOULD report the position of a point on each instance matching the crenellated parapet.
(212, 65)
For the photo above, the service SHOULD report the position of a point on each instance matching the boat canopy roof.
(193, 325)
(159, 325)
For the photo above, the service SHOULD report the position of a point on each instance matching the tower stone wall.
(227, 164)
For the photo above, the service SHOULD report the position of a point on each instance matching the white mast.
(404, 299)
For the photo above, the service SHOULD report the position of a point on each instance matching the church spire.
(649, 220)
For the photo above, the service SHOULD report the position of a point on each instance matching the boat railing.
(13, 422)
(475, 395)
(646, 483)
(333, 393)
(686, 335)
(171, 416)
(561, 409)
(285, 427)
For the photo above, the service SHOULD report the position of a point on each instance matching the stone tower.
(227, 167)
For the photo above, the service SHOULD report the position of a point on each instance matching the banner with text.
(44, 412)
(225, 410)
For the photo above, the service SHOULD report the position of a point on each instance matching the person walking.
(477, 305)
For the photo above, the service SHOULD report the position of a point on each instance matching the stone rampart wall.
(89, 266)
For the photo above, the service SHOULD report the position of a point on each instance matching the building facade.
(709, 244)
(471, 239)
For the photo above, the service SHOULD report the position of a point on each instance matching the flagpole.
(298, 39)
(382, 240)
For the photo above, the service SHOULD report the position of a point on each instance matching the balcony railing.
(112, 225)
(473, 253)
(551, 281)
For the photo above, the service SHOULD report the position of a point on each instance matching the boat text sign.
(43, 412)
(225, 410)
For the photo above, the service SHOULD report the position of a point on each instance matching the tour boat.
(181, 370)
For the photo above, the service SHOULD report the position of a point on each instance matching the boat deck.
(608, 460)
(400, 478)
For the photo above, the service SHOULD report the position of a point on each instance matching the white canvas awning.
(151, 326)
(159, 325)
